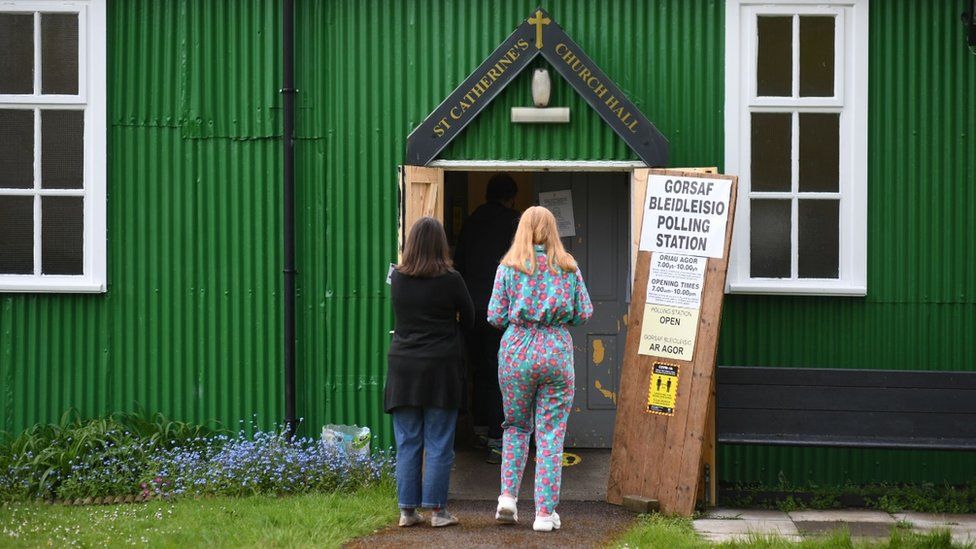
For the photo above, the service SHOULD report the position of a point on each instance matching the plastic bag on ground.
(354, 439)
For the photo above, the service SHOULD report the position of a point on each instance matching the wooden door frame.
(430, 178)
(631, 167)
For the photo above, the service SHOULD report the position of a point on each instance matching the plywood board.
(421, 195)
(654, 455)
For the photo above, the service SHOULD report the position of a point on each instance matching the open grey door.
(601, 208)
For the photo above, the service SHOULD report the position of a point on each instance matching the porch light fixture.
(541, 113)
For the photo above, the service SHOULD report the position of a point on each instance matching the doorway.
(601, 245)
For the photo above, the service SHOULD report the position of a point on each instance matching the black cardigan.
(424, 365)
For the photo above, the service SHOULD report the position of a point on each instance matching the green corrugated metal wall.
(191, 325)
(371, 71)
(920, 311)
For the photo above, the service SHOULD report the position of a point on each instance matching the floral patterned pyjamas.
(536, 370)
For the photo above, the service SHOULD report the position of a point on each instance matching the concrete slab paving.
(725, 524)
(842, 515)
(961, 527)
(746, 514)
(722, 526)
(878, 530)
(964, 537)
(722, 538)
(473, 479)
(937, 519)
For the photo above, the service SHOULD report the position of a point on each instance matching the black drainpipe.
(288, 93)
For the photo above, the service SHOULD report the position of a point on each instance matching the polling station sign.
(685, 215)
(676, 280)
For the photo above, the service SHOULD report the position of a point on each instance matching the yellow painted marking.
(598, 351)
(571, 459)
(606, 392)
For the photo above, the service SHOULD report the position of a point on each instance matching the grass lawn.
(677, 533)
(320, 520)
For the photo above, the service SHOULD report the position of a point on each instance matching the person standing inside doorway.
(424, 384)
(538, 291)
(485, 237)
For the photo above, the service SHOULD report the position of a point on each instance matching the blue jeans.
(420, 431)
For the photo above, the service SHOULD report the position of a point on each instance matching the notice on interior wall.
(560, 203)
(685, 215)
(676, 280)
(668, 332)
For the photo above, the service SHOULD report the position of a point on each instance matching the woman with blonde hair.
(538, 291)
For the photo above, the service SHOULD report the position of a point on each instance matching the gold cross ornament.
(538, 21)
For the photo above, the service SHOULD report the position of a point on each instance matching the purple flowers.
(132, 463)
(266, 463)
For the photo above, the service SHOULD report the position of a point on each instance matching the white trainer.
(546, 524)
(507, 511)
(410, 518)
(442, 518)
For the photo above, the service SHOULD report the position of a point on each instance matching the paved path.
(588, 521)
(585, 524)
(737, 524)
(586, 480)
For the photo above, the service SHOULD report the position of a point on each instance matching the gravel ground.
(584, 524)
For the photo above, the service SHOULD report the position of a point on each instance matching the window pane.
(16, 148)
(62, 235)
(771, 141)
(774, 63)
(816, 56)
(16, 234)
(818, 234)
(62, 149)
(769, 242)
(819, 152)
(16, 53)
(59, 53)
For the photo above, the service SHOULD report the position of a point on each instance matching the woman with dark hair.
(424, 380)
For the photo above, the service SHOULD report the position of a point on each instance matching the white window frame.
(93, 97)
(850, 100)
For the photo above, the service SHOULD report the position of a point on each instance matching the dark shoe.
(480, 439)
(494, 456)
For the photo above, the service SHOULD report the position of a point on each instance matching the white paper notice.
(668, 332)
(686, 215)
(560, 203)
(676, 280)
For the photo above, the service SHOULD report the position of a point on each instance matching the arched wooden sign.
(538, 34)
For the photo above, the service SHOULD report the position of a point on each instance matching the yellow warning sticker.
(663, 391)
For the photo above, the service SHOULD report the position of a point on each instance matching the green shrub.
(127, 454)
(79, 457)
